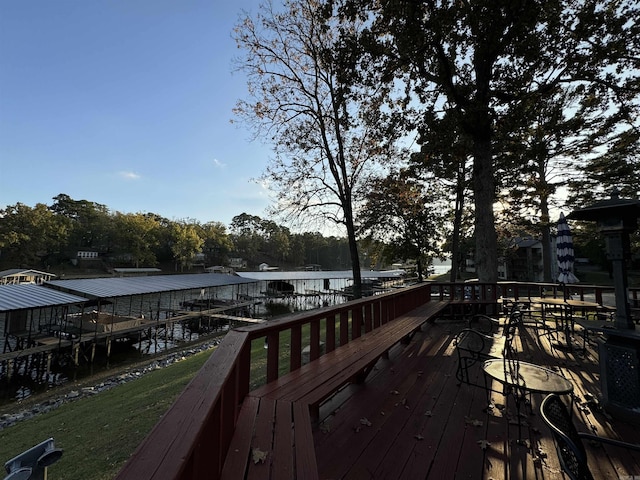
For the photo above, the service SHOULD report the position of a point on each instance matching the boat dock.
(62, 322)
(69, 320)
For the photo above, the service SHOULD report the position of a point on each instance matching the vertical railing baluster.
(344, 327)
(273, 355)
(314, 351)
(295, 362)
(330, 333)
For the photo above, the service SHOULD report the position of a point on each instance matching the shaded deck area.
(411, 419)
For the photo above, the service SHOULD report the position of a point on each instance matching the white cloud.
(128, 175)
(218, 164)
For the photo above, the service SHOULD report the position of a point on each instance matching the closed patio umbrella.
(565, 253)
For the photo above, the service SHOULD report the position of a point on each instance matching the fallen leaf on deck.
(365, 421)
(325, 428)
(473, 421)
(258, 455)
(484, 444)
(428, 413)
(394, 392)
(418, 437)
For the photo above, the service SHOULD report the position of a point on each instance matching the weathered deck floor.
(412, 420)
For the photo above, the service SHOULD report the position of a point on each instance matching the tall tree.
(136, 235)
(477, 60)
(246, 235)
(445, 154)
(217, 243)
(90, 226)
(538, 158)
(308, 97)
(407, 215)
(186, 243)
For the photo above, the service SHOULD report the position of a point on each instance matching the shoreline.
(55, 397)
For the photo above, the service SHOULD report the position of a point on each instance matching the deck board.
(424, 425)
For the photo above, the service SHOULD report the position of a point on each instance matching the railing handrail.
(192, 438)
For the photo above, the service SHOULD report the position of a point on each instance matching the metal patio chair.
(474, 345)
(569, 446)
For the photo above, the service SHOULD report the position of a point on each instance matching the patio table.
(520, 378)
(566, 314)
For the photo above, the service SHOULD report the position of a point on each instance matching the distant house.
(237, 262)
(264, 267)
(218, 269)
(135, 272)
(16, 276)
(198, 260)
(525, 262)
(87, 255)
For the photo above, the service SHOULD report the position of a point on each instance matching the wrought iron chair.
(474, 345)
(484, 324)
(571, 451)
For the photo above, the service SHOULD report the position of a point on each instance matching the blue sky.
(126, 103)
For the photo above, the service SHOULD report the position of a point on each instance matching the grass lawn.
(99, 433)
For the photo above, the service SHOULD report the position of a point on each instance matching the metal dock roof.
(19, 297)
(320, 275)
(110, 287)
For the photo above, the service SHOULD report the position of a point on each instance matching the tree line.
(49, 236)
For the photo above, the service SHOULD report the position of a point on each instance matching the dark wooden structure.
(378, 399)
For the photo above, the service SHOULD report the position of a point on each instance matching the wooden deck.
(412, 420)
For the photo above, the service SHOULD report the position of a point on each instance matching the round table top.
(569, 302)
(533, 378)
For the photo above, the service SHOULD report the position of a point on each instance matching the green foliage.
(217, 243)
(186, 243)
(520, 83)
(48, 237)
(136, 235)
(99, 433)
(408, 216)
(31, 236)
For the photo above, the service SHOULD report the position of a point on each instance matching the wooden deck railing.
(192, 438)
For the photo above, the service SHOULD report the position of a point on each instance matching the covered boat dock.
(73, 317)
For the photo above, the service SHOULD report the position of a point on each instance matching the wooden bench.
(274, 432)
